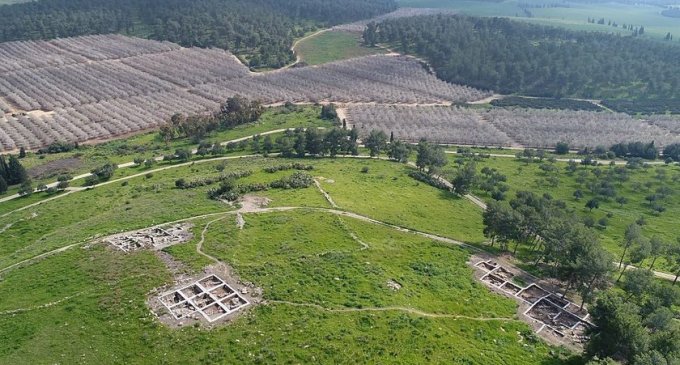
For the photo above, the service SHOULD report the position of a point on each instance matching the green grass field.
(332, 46)
(305, 256)
(640, 184)
(299, 257)
(323, 275)
(574, 16)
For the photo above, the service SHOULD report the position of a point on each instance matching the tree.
(22, 152)
(286, 146)
(501, 223)
(398, 151)
(255, 144)
(4, 168)
(238, 110)
(637, 283)
(578, 194)
(333, 141)
(300, 143)
(16, 174)
(591, 270)
(672, 151)
(618, 331)
(313, 141)
(3, 185)
(376, 142)
(592, 204)
(328, 112)
(465, 179)
(658, 247)
(26, 188)
(674, 255)
(430, 157)
(62, 185)
(267, 145)
(631, 236)
(105, 172)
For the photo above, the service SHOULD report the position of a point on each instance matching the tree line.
(513, 57)
(12, 173)
(545, 103)
(262, 30)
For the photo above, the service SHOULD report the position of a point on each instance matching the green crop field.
(332, 46)
(573, 15)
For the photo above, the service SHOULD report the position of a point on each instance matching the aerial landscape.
(340, 182)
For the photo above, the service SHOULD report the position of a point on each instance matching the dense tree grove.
(653, 106)
(546, 103)
(235, 111)
(555, 236)
(261, 29)
(514, 57)
(11, 172)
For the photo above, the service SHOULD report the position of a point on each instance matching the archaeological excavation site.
(552, 316)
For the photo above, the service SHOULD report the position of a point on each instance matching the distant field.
(332, 46)
(575, 16)
(7, 2)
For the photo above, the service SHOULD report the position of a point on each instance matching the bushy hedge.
(231, 192)
(183, 184)
(290, 166)
(546, 103)
(429, 179)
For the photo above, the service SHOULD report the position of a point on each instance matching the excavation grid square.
(209, 296)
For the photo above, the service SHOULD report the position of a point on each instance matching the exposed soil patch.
(54, 168)
(252, 203)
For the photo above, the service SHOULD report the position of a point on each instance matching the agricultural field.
(633, 185)
(101, 87)
(359, 26)
(45, 168)
(570, 14)
(332, 46)
(535, 128)
(447, 125)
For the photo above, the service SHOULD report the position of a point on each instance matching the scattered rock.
(393, 285)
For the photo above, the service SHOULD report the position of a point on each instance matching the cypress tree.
(3, 185)
(4, 169)
(16, 172)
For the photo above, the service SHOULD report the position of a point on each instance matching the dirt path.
(199, 245)
(298, 59)
(325, 194)
(577, 160)
(391, 309)
(42, 306)
(65, 248)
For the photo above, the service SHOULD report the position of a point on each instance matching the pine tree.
(4, 168)
(3, 185)
(16, 172)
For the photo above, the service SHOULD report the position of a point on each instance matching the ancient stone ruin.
(554, 317)
(210, 298)
(154, 238)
